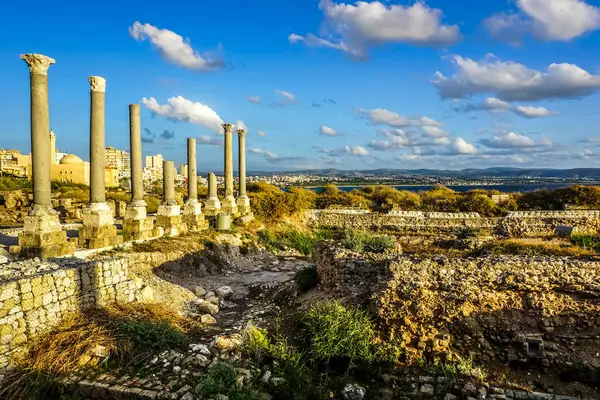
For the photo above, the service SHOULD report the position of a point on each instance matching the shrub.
(300, 241)
(439, 199)
(479, 203)
(340, 198)
(385, 197)
(581, 196)
(539, 200)
(221, 378)
(118, 196)
(359, 241)
(8, 183)
(591, 242)
(339, 332)
(303, 242)
(149, 335)
(152, 203)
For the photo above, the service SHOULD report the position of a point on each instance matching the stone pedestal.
(193, 217)
(135, 224)
(43, 237)
(212, 205)
(98, 229)
(169, 218)
(229, 206)
(243, 205)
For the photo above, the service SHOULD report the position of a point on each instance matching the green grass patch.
(221, 378)
(590, 242)
(364, 241)
(303, 242)
(339, 332)
(154, 336)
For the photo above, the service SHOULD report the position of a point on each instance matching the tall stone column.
(212, 205)
(192, 209)
(98, 229)
(228, 206)
(135, 156)
(135, 225)
(168, 216)
(42, 235)
(243, 202)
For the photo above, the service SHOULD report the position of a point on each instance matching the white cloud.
(354, 28)
(508, 141)
(254, 99)
(327, 131)
(356, 151)
(181, 109)
(209, 141)
(261, 133)
(512, 81)
(492, 103)
(434, 131)
(173, 48)
(534, 112)
(461, 146)
(240, 125)
(271, 157)
(286, 99)
(392, 142)
(380, 116)
(560, 20)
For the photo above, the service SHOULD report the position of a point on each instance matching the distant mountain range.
(500, 172)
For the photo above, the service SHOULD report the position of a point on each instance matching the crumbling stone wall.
(35, 295)
(518, 224)
(536, 311)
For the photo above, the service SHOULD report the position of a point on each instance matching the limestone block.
(135, 213)
(41, 223)
(98, 214)
(168, 211)
(192, 208)
(195, 222)
(229, 206)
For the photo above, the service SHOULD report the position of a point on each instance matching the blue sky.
(319, 84)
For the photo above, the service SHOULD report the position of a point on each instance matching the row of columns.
(42, 234)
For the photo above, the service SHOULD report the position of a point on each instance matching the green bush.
(152, 203)
(118, 196)
(300, 241)
(158, 336)
(591, 242)
(581, 196)
(360, 241)
(385, 197)
(339, 332)
(8, 183)
(479, 203)
(439, 199)
(539, 200)
(303, 242)
(221, 378)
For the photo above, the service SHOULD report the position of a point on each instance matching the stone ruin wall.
(541, 312)
(515, 224)
(36, 295)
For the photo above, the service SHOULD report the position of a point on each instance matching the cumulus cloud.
(285, 99)
(356, 151)
(254, 99)
(394, 140)
(509, 140)
(434, 131)
(173, 48)
(240, 125)
(180, 109)
(461, 146)
(353, 29)
(327, 131)
(271, 157)
(560, 20)
(496, 105)
(209, 141)
(511, 81)
(261, 133)
(533, 112)
(380, 116)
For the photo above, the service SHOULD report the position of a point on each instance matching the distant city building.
(154, 168)
(15, 163)
(117, 159)
(184, 171)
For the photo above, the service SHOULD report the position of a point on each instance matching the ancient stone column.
(97, 149)
(42, 235)
(192, 209)
(98, 229)
(135, 136)
(212, 205)
(228, 206)
(135, 225)
(191, 167)
(40, 132)
(243, 202)
(168, 216)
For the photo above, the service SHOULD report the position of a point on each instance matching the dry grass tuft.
(535, 247)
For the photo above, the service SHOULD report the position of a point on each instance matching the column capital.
(228, 128)
(38, 63)
(241, 132)
(97, 84)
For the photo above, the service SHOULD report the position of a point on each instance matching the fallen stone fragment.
(199, 291)
(212, 299)
(208, 308)
(427, 389)
(353, 392)
(224, 292)
(208, 319)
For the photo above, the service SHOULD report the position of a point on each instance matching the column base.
(169, 218)
(212, 207)
(98, 237)
(43, 237)
(229, 206)
(243, 205)
(135, 212)
(139, 229)
(193, 217)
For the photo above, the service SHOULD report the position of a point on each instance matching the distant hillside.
(500, 172)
